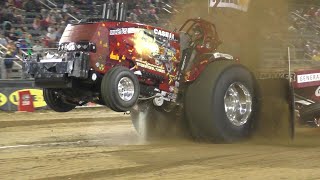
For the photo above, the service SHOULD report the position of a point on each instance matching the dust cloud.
(244, 34)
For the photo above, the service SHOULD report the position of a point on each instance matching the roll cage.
(210, 40)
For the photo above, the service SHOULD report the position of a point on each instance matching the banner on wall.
(10, 90)
(9, 98)
(241, 5)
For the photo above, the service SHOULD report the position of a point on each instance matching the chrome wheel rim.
(126, 89)
(238, 104)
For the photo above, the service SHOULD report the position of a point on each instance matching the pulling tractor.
(164, 78)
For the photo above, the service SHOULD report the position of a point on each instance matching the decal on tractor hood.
(164, 34)
(317, 92)
(121, 31)
(304, 78)
(145, 64)
(219, 55)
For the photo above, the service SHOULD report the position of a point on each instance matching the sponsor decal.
(219, 55)
(304, 78)
(241, 5)
(275, 75)
(121, 31)
(165, 34)
(145, 64)
(3, 99)
(36, 94)
(101, 67)
(317, 92)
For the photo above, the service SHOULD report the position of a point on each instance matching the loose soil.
(101, 144)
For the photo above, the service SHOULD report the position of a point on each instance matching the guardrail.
(16, 70)
(17, 56)
(70, 15)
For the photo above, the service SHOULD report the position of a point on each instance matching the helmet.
(197, 32)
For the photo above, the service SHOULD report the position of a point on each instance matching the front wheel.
(55, 101)
(120, 89)
(220, 104)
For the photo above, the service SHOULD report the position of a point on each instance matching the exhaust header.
(117, 12)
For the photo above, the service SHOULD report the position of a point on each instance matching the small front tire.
(55, 101)
(120, 89)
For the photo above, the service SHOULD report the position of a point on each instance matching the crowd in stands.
(305, 25)
(33, 25)
(30, 23)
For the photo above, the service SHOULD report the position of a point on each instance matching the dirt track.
(77, 146)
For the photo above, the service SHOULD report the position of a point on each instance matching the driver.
(197, 36)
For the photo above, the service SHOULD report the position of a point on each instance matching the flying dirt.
(75, 145)
(244, 34)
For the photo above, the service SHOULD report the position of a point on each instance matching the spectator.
(50, 19)
(3, 40)
(37, 47)
(59, 32)
(28, 37)
(12, 47)
(18, 32)
(133, 17)
(8, 63)
(152, 14)
(51, 37)
(36, 23)
(12, 34)
(7, 25)
(44, 24)
(31, 6)
(22, 45)
(316, 56)
(66, 7)
(43, 13)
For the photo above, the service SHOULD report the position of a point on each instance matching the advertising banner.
(9, 98)
(241, 5)
(11, 91)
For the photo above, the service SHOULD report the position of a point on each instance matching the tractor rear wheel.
(220, 104)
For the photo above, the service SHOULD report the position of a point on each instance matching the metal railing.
(16, 70)
(17, 56)
(70, 15)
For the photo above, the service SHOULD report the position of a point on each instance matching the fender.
(202, 62)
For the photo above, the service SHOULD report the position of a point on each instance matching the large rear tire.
(120, 89)
(220, 104)
(55, 101)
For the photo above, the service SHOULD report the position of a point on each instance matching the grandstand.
(34, 26)
(302, 38)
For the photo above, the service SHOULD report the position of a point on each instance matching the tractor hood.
(88, 37)
(78, 32)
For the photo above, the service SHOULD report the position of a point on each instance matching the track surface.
(100, 144)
